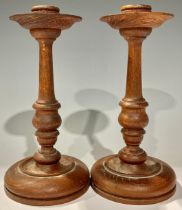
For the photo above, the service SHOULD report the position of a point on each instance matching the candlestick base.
(43, 185)
(147, 183)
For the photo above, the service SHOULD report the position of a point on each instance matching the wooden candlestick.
(47, 178)
(132, 177)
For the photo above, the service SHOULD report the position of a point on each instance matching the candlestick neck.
(46, 37)
(134, 38)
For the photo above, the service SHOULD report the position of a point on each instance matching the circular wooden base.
(148, 183)
(41, 185)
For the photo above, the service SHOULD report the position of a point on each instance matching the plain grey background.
(90, 63)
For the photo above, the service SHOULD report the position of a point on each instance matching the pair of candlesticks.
(129, 177)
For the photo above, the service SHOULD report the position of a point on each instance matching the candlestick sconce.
(48, 177)
(131, 176)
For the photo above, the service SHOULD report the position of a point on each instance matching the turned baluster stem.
(133, 117)
(46, 118)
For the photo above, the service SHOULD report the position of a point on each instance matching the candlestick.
(48, 177)
(131, 176)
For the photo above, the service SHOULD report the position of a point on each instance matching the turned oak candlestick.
(48, 177)
(132, 177)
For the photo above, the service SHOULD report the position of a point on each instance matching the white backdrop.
(90, 62)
